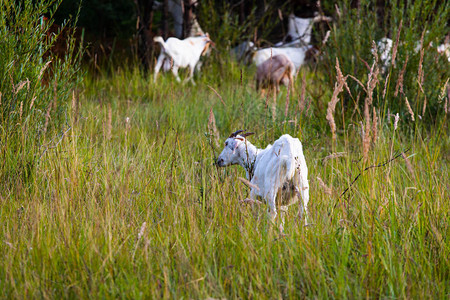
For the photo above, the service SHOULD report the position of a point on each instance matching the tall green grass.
(124, 200)
(129, 204)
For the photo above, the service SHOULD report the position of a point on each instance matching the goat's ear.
(247, 134)
(237, 141)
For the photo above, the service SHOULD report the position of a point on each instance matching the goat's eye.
(226, 144)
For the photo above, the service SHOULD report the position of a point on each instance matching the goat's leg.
(272, 210)
(191, 75)
(303, 196)
(158, 65)
(175, 72)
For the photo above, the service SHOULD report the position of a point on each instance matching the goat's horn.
(234, 134)
(247, 134)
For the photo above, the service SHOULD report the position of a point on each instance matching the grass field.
(125, 201)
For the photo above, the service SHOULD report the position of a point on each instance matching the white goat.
(299, 29)
(384, 46)
(277, 69)
(181, 54)
(277, 173)
(295, 54)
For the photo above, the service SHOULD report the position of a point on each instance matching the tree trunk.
(165, 24)
(144, 13)
(187, 17)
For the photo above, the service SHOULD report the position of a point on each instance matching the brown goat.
(277, 69)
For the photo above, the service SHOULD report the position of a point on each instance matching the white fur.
(181, 54)
(299, 29)
(295, 54)
(270, 169)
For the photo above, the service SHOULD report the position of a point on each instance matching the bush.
(416, 75)
(37, 82)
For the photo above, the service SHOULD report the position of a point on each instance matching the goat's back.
(187, 51)
(276, 69)
(280, 164)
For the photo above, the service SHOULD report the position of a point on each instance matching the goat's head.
(208, 44)
(230, 154)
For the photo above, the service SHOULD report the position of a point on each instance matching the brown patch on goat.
(277, 69)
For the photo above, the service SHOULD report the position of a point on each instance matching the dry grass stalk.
(333, 156)
(385, 86)
(366, 137)
(397, 40)
(109, 124)
(274, 105)
(248, 183)
(142, 230)
(286, 108)
(399, 85)
(356, 108)
(21, 109)
(212, 127)
(31, 104)
(338, 88)
(43, 69)
(0, 98)
(301, 104)
(218, 95)
(374, 125)
(424, 101)
(373, 77)
(47, 116)
(409, 166)
(20, 86)
(358, 82)
(446, 104)
(324, 187)
(409, 109)
(396, 119)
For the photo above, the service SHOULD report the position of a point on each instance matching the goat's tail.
(159, 39)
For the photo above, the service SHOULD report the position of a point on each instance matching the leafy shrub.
(418, 75)
(35, 84)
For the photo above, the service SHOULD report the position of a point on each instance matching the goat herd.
(277, 174)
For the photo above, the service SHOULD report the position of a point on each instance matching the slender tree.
(144, 14)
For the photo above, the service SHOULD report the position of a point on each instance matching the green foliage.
(35, 84)
(351, 41)
(125, 201)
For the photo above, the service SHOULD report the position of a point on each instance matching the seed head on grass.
(212, 128)
(396, 119)
(338, 88)
(409, 109)
(397, 40)
(43, 69)
(324, 187)
(142, 230)
(333, 156)
(399, 85)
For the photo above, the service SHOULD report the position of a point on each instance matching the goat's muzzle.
(220, 162)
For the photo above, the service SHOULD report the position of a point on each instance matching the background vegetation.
(108, 187)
